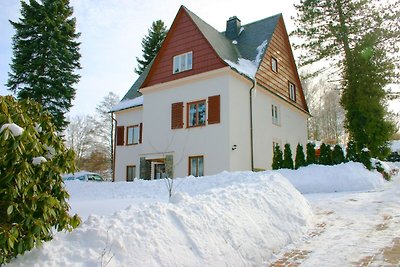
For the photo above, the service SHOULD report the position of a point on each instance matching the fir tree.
(277, 160)
(310, 151)
(300, 158)
(365, 158)
(151, 44)
(326, 155)
(45, 56)
(287, 157)
(352, 152)
(337, 155)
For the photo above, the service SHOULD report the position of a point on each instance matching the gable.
(184, 36)
(278, 82)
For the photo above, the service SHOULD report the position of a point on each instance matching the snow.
(395, 146)
(38, 160)
(138, 101)
(349, 176)
(229, 219)
(14, 128)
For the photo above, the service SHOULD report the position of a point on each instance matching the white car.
(83, 176)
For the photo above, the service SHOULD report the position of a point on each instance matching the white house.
(211, 101)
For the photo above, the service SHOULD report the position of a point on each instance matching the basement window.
(182, 62)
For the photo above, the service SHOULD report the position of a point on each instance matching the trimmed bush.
(365, 158)
(287, 157)
(326, 155)
(300, 158)
(338, 155)
(277, 160)
(352, 152)
(32, 195)
(310, 151)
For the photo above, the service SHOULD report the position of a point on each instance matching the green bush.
(325, 157)
(32, 195)
(287, 157)
(352, 152)
(338, 155)
(300, 158)
(277, 160)
(365, 158)
(310, 151)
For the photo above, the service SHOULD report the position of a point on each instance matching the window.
(274, 64)
(182, 62)
(130, 173)
(275, 114)
(292, 91)
(132, 135)
(196, 113)
(196, 166)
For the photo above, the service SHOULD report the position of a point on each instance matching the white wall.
(127, 155)
(210, 141)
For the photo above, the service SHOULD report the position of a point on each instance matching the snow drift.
(230, 219)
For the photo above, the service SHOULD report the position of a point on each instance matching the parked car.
(83, 176)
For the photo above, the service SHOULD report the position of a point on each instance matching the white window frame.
(276, 114)
(292, 91)
(274, 64)
(132, 135)
(182, 62)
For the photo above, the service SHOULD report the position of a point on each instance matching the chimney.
(232, 28)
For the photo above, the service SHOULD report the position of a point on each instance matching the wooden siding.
(278, 82)
(183, 37)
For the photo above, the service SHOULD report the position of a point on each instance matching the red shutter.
(177, 115)
(214, 109)
(120, 135)
(140, 132)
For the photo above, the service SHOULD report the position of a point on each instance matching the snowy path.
(352, 229)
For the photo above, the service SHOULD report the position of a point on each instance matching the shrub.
(32, 196)
(352, 152)
(365, 158)
(326, 155)
(300, 158)
(310, 151)
(338, 155)
(277, 160)
(287, 157)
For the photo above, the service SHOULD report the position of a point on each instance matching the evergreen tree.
(45, 56)
(277, 160)
(365, 158)
(366, 114)
(326, 155)
(300, 158)
(337, 155)
(151, 44)
(310, 151)
(352, 152)
(287, 157)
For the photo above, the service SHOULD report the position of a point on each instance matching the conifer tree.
(310, 151)
(287, 157)
(337, 155)
(300, 158)
(45, 56)
(151, 44)
(277, 160)
(352, 152)
(365, 158)
(326, 155)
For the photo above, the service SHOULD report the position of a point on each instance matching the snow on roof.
(130, 103)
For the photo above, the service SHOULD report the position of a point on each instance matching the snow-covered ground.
(229, 219)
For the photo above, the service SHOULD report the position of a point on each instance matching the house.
(211, 101)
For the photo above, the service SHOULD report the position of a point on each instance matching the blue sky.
(112, 31)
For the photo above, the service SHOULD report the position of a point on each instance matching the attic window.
(182, 62)
(274, 64)
(292, 91)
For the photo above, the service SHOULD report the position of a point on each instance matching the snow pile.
(15, 129)
(230, 219)
(350, 176)
(130, 103)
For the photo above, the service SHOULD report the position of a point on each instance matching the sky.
(112, 31)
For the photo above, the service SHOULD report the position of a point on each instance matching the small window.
(132, 135)
(274, 64)
(182, 62)
(275, 114)
(292, 91)
(196, 113)
(130, 173)
(196, 166)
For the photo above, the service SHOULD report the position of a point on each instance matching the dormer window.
(274, 64)
(182, 62)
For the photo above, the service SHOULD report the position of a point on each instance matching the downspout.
(113, 145)
(251, 125)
